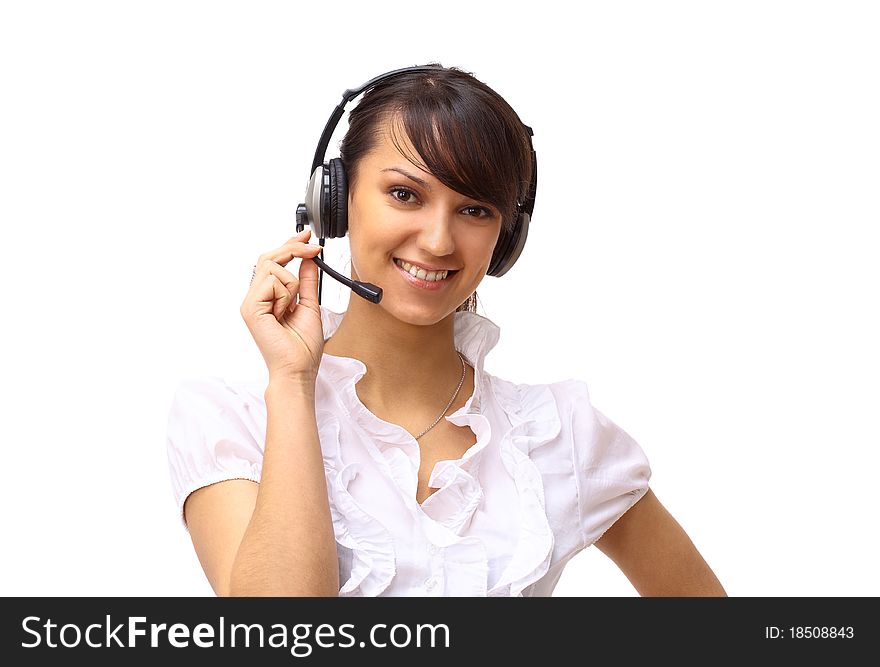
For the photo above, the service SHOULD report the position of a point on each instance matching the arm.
(275, 538)
(656, 555)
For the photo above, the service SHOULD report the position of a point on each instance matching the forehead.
(393, 147)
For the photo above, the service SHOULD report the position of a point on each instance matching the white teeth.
(429, 276)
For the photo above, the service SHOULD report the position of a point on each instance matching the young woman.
(380, 458)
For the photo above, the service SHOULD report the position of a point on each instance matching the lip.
(425, 266)
(432, 286)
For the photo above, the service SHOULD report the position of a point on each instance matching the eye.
(402, 195)
(486, 213)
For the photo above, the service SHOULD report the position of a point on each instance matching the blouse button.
(432, 549)
(430, 584)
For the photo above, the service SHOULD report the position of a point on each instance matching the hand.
(282, 312)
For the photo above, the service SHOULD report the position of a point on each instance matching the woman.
(345, 474)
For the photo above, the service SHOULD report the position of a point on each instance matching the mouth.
(419, 277)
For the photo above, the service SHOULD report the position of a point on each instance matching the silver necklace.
(460, 382)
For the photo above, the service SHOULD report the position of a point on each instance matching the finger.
(291, 285)
(300, 238)
(287, 252)
(265, 267)
(277, 265)
(267, 289)
(282, 297)
(261, 297)
(286, 277)
(308, 285)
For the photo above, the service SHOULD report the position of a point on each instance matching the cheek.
(482, 246)
(370, 221)
(371, 243)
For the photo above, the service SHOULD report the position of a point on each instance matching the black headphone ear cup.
(509, 246)
(338, 209)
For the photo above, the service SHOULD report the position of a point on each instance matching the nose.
(435, 237)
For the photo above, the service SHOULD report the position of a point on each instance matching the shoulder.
(566, 404)
(214, 404)
(214, 416)
(552, 401)
(569, 438)
(215, 432)
(581, 423)
(540, 415)
(215, 393)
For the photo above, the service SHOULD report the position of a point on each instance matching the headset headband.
(349, 95)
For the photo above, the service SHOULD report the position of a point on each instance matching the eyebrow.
(410, 176)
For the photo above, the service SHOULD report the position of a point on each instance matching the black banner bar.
(400, 630)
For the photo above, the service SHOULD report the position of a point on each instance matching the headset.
(326, 201)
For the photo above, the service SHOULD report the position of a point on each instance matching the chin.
(418, 314)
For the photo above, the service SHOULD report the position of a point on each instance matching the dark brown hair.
(465, 133)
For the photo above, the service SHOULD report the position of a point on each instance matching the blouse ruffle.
(531, 428)
(534, 420)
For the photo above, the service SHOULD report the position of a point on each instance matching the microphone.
(368, 291)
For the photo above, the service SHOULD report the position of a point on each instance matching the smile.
(419, 277)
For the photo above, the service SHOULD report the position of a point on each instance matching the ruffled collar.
(474, 336)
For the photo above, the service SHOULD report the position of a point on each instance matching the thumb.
(308, 284)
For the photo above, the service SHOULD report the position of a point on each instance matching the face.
(402, 220)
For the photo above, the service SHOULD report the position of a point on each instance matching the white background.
(703, 253)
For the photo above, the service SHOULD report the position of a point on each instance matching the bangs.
(463, 133)
(467, 148)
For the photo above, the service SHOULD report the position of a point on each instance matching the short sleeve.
(611, 469)
(212, 436)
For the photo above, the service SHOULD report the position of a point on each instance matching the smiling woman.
(380, 458)
(406, 223)
(487, 159)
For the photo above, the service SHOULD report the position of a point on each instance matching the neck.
(412, 370)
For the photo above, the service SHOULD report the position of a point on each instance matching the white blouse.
(547, 476)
